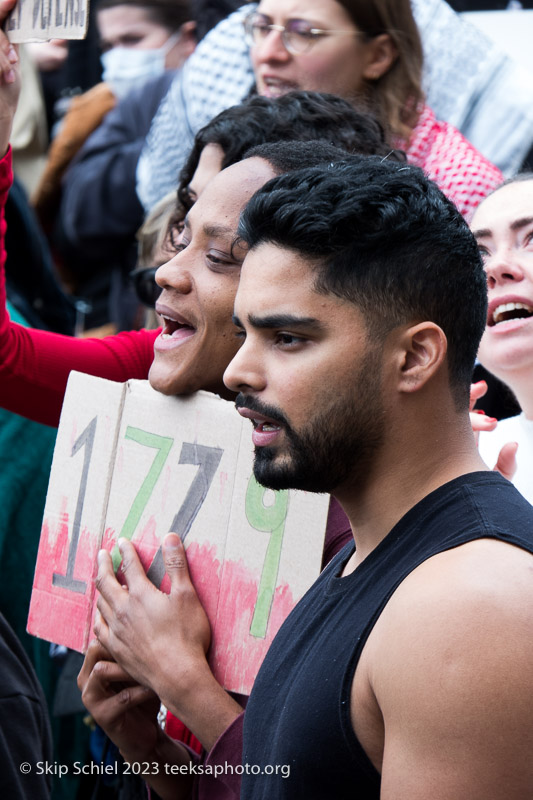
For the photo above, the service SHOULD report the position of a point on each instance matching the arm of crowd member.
(127, 713)
(9, 80)
(453, 678)
(506, 462)
(100, 210)
(34, 364)
(161, 640)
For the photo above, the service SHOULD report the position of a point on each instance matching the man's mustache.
(251, 403)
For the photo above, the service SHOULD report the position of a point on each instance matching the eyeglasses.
(297, 35)
(146, 288)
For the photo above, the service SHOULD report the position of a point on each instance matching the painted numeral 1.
(270, 519)
(67, 581)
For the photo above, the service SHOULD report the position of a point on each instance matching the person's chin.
(506, 362)
(164, 380)
(272, 469)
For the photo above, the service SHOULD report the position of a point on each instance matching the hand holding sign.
(161, 640)
(126, 711)
(143, 627)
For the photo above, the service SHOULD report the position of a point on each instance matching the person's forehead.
(229, 191)
(120, 20)
(124, 14)
(278, 283)
(504, 207)
(275, 278)
(300, 9)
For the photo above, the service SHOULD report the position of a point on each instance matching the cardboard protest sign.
(130, 462)
(41, 20)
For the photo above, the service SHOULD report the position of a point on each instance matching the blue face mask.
(124, 68)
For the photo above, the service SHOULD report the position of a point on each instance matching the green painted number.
(162, 444)
(271, 519)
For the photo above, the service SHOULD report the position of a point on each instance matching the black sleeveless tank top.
(298, 716)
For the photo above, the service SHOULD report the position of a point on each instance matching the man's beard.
(338, 443)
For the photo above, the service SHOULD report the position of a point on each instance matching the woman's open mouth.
(176, 328)
(505, 312)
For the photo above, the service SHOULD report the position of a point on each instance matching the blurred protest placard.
(41, 20)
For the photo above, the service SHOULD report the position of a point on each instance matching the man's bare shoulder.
(472, 573)
(450, 666)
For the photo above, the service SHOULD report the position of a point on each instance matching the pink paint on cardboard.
(57, 613)
(236, 655)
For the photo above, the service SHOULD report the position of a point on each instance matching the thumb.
(175, 560)
(506, 463)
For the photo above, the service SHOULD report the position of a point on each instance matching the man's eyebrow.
(280, 321)
(514, 226)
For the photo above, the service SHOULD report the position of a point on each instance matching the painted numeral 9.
(271, 519)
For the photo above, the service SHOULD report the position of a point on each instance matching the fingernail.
(478, 411)
(9, 77)
(120, 544)
(12, 55)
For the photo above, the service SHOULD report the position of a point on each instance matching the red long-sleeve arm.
(35, 365)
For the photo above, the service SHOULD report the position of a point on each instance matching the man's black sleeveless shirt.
(298, 715)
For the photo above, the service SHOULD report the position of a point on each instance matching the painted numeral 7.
(207, 459)
(163, 445)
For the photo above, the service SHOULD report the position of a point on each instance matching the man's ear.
(422, 350)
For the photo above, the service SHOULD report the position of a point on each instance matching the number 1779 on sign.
(132, 463)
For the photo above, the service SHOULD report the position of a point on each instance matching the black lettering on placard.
(69, 7)
(67, 581)
(14, 19)
(207, 459)
(41, 13)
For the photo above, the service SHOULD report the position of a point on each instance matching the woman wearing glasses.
(344, 46)
(368, 52)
